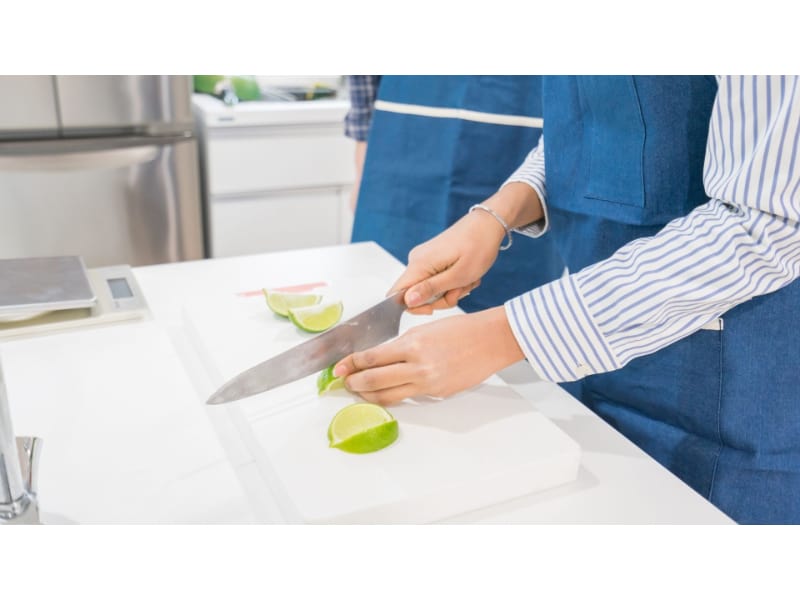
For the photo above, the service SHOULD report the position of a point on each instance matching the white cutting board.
(475, 449)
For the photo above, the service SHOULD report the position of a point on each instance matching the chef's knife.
(367, 329)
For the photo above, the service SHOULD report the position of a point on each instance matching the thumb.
(430, 289)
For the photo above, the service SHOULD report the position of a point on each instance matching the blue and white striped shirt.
(745, 242)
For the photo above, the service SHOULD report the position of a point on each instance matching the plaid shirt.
(363, 89)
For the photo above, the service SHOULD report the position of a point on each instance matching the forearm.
(358, 164)
(521, 201)
(498, 347)
(517, 203)
(654, 291)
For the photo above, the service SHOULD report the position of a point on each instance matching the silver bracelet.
(500, 220)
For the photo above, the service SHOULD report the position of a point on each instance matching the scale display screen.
(120, 288)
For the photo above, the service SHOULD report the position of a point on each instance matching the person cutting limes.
(676, 206)
(428, 148)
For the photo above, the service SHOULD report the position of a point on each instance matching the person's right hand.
(451, 264)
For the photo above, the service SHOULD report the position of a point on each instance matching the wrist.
(482, 208)
(505, 350)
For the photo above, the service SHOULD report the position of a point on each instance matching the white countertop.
(135, 443)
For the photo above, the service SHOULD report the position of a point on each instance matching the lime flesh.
(317, 318)
(281, 302)
(361, 428)
(327, 381)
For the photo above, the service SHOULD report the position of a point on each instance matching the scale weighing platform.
(43, 295)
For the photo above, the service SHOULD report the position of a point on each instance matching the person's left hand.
(436, 359)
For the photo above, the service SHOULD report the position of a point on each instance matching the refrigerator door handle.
(71, 161)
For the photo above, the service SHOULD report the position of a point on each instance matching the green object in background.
(246, 87)
(207, 84)
(229, 88)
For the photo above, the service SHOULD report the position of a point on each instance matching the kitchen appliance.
(365, 330)
(43, 295)
(103, 167)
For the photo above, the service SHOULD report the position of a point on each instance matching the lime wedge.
(361, 428)
(317, 318)
(327, 381)
(281, 302)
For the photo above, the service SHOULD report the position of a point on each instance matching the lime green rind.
(371, 440)
(361, 428)
(327, 382)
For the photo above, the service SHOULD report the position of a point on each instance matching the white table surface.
(169, 458)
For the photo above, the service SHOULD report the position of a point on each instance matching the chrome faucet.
(19, 459)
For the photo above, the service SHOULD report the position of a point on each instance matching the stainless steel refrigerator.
(105, 167)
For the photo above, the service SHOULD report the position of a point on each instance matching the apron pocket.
(614, 138)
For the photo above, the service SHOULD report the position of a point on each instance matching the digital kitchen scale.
(43, 295)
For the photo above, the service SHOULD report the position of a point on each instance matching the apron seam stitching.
(719, 419)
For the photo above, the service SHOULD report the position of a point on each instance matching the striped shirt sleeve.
(363, 90)
(745, 242)
(531, 171)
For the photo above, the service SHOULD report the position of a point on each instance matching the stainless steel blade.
(367, 329)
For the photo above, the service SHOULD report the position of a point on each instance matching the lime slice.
(361, 428)
(327, 381)
(281, 302)
(317, 318)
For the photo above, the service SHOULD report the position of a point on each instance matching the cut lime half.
(327, 381)
(281, 302)
(362, 427)
(317, 318)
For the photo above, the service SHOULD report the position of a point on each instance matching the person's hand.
(436, 359)
(451, 264)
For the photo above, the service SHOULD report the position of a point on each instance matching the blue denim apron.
(720, 409)
(422, 173)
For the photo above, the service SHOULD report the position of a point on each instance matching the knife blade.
(369, 328)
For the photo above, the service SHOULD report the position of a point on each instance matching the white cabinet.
(278, 175)
(280, 220)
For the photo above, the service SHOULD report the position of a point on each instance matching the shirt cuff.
(557, 333)
(356, 132)
(537, 228)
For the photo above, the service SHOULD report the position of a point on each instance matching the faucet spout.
(18, 468)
